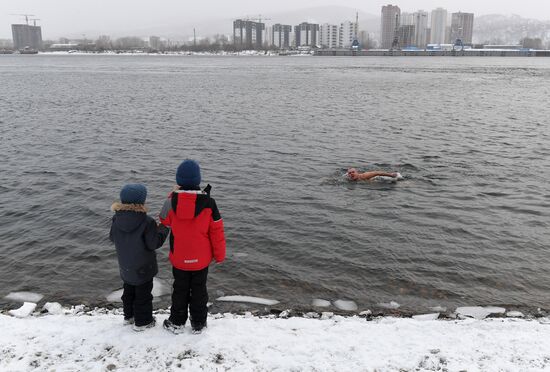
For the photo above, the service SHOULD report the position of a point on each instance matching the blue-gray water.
(469, 225)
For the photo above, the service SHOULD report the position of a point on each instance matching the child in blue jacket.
(136, 236)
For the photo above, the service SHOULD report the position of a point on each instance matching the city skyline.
(65, 17)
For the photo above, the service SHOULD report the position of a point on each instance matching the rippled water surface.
(468, 225)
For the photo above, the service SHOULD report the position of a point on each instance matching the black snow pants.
(137, 302)
(189, 293)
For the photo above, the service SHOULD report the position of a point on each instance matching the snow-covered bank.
(97, 341)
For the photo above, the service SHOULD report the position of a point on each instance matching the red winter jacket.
(197, 230)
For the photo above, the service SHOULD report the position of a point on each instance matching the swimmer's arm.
(368, 175)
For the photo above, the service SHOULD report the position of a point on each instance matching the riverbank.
(73, 339)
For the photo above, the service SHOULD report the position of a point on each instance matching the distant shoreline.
(433, 53)
(320, 53)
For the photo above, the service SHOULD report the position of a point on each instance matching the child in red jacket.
(196, 238)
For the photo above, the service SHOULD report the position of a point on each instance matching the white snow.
(320, 303)
(391, 305)
(24, 296)
(160, 288)
(424, 317)
(515, 314)
(478, 312)
(114, 296)
(53, 308)
(99, 342)
(23, 311)
(327, 315)
(248, 299)
(345, 305)
(438, 309)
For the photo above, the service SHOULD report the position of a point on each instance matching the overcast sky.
(63, 17)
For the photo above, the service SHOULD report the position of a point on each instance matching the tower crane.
(34, 21)
(26, 16)
(395, 44)
(259, 19)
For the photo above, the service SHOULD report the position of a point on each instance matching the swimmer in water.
(354, 175)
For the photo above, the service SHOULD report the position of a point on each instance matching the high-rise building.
(328, 36)
(154, 42)
(407, 35)
(26, 36)
(248, 34)
(307, 34)
(406, 19)
(462, 27)
(364, 39)
(438, 26)
(281, 35)
(421, 28)
(448, 34)
(348, 33)
(268, 36)
(390, 24)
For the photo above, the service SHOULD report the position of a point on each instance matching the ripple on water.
(473, 197)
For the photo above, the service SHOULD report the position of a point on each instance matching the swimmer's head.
(352, 173)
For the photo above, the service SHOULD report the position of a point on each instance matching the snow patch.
(312, 315)
(515, 314)
(284, 314)
(248, 299)
(24, 311)
(53, 308)
(345, 305)
(327, 315)
(320, 303)
(160, 288)
(425, 317)
(115, 296)
(24, 296)
(392, 305)
(98, 342)
(478, 312)
(438, 309)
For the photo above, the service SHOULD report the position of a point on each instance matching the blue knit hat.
(133, 193)
(188, 174)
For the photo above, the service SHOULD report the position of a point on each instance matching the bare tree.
(104, 43)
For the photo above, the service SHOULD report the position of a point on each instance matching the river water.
(468, 225)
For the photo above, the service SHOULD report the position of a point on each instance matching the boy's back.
(136, 237)
(197, 237)
(197, 229)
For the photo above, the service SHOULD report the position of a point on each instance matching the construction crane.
(355, 43)
(259, 19)
(34, 21)
(395, 44)
(26, 16)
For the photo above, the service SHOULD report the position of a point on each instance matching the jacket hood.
(188, 204)
(128, 217)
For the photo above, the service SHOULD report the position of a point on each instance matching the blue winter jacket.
(136, 237)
